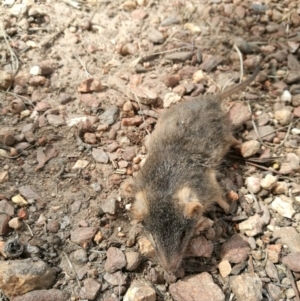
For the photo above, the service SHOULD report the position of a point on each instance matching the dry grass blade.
(241, 62)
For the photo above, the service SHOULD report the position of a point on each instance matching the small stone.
(100, 155)
(254, 184)
(288, 236)
(170, 98)
(283, 207)
(79, 256)
(19, 200)
(90, 100)
(112, 147)
(250, 148)
(64, 98)
(224, 268)
(235, 249)
(172, 80)
(275, 292)
(53, 226)
(199, 246)
(238, 115)
(252, 226)
(293, 161)
(155, 36)
(90, 138)
(271, 271)
(37, 81)
(268, 182)
(140, 291)
(274, 252)
(55, 120)
(179, 56)
(90, 85)
(109, 206)
(80, 164)
(117, 278)
(139, 14)
(146, 248)
(129, 153)
(266, 133)
(133, 260)
(15, 223)
(7, 208)
(35, 70)
(83, 235)
(90, 289)
(284, 116)
(280, 188)
(43, 295)
(115, 260)
(4, 224)
(292, 261)
(286, 96)
(192, 287)
(6, 79)
(263, 119)
(246, 285)
(109, 116)
(132, 121)
(4, 177)
(18, 277)
(192, 27)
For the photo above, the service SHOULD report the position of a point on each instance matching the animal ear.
(191, 204)
(140, 208)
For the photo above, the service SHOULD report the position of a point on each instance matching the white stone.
(268, 182)
(253, 183)
(284, 116)
(80, 164)
(286, 96)
(171, 98)
(35, 70)
(283, 208)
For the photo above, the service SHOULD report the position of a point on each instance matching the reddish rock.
(90, 85)
(132, 121)
(4, 227)
(199, 246)
(129, 153)
(37, 81)
(140, 291)
(274, 252)
(239, 114)
(90, 100)
(292, 261)
(90, 138)
(115, 260)
(290, 237)
(22, 78)
(296, 112)
(90, 289)
(192, 287)
(172, 80)
(235, 249)
(53, 226)
(83, 235)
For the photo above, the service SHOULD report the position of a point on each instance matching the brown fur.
(177, 182)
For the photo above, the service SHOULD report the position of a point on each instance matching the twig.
(294, 286)
(72, 267)
(241, 62)
(20, 97)
(82, 64)
(255, 200)
(264, 168)
(29, 229)
(52, 37)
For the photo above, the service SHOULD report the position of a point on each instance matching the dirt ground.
(82, 85)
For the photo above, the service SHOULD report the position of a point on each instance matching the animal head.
(170, 220)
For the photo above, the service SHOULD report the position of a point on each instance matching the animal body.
(178, 183)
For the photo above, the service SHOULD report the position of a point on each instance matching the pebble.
(283, 207)
(129, 153)
(83, 235)
(79, 256)
(146, 248)
(4, 224)
(246, 286)
(108, 206)
(271, 271)
(236, 249)
(179, 56)
(293, 161)
(109, 116)
(274, 252)
(286, 96)
(224, 268)
(100, 155)
(7, 208)
(238, 114)
(268, 182)
(117, 278)
(170, 98)
(192, 27)
(64, 98)
(283, 116)
(275, 292)
(250, 148)
(132, 121)
(90, 100)
(43, 295)
(17, 277)
(155, 36)
(55, 120)
(263, 119)
(6, 79)
(266, 133)
(140, 291)
(19, 200)
(53, 226)
(90, 289)
(90, 138)
(90, 85)
(133, 260)
(252, 226)
(115, 260)
(80, 164)
(280, 188)
(172, 80)
(191, 287)
(199, 247)
(292, 261)
(288, 236)
(37, 80)
(254, 184)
